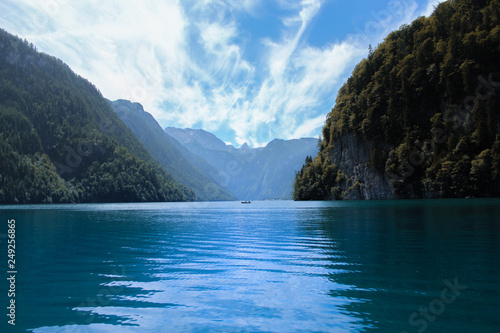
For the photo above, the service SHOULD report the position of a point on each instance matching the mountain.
(250, 173)
(167, 152)
(60, 141)
(420, 116)
(199, 140)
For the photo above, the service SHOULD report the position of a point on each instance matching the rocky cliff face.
(361, 181)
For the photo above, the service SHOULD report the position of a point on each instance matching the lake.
(269, 266)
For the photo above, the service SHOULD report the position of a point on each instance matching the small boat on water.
(246, 202)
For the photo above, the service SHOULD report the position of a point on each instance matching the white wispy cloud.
(431, 5)
(187, 61)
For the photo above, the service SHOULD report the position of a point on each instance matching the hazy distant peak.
(274, 142)
(244, 146)
(205, 139)
(134, 106)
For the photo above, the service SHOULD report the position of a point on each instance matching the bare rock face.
(351, 154)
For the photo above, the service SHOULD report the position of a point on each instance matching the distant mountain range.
(250, 173)
(214, 170)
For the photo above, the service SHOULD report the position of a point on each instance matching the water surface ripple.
(264, 267)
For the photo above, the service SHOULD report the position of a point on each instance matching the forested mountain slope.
(60, 141)
(420, 117)
(163, 148)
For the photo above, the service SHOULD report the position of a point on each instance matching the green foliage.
(312, 181)
(427, 100)
(60, 141)
(126, 178)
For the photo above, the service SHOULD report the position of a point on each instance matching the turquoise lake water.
(269, 266)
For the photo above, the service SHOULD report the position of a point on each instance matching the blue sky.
(245, 70)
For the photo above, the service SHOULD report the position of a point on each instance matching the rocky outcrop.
(351, 155)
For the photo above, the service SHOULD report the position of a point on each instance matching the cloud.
(193, 63)
(310, 125)
(281, 52)
(431, 5)
(128, 49)
(249, 6)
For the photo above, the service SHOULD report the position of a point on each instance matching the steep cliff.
(419, 117)
(363, 182)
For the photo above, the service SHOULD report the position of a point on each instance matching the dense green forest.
(60, 141)
(426, 102)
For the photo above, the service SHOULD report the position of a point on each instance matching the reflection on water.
(399, 258)
(265, 267)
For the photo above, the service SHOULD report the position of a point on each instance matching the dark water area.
(269, 266)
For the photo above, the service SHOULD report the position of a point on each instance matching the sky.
(246, 70)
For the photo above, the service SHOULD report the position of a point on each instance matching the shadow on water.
(398, 257)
